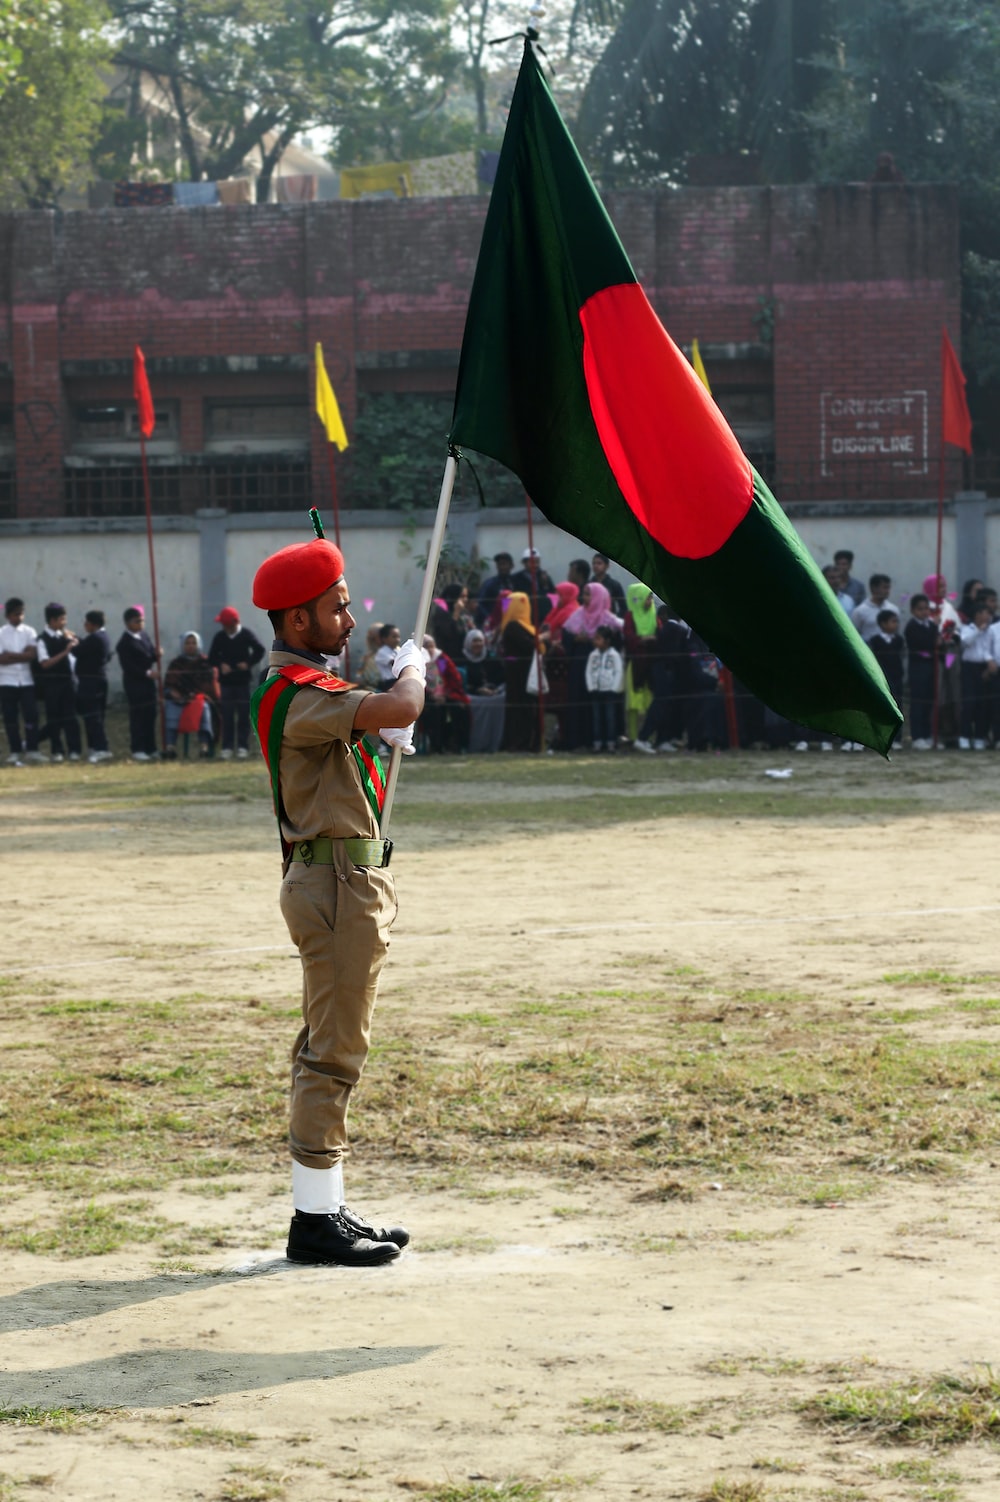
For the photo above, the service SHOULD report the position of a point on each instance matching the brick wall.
(853, 282)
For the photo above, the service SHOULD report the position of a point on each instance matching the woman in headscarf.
(518, 646)
(451, 619)
(445, 719)
(190, 688)
(640, 649)
(487, 697)
(578, 639)
(565, 601)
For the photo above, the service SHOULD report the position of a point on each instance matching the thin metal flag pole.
(434, 548)
(939, 656)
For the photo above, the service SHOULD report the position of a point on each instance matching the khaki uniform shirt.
(321, 787)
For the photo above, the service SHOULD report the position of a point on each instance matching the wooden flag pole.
(434, 548)
(152, 584)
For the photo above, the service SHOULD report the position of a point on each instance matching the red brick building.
(818, 310)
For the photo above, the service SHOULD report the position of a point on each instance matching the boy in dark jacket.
(887, 645)
(56, 646)
(93, 653)
(140, 670)
(921, 636)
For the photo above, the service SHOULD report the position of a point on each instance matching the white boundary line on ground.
(568, 928)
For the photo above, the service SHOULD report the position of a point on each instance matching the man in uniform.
(337, 895)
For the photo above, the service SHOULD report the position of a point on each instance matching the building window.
(281, 483)
(252, 427)
(117, 489)
(111, 430)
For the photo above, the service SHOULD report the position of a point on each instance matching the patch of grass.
(92, 1231)
(987, 1004)
(941, 980)
(216, 1439)
(252, 1484)
(55, 1419)
(723, 1489)
(770, 1366)
(480, 1244)
(621, 1413)
(757, 1235)
(510, 1490)
(777, 1465)
(939, 1411)
(936, 1485)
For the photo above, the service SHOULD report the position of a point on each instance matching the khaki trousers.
(339, 918)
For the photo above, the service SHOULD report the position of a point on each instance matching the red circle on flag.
(675, 458)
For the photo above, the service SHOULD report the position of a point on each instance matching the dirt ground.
(467, 1362)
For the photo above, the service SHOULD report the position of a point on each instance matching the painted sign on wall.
(889, 429)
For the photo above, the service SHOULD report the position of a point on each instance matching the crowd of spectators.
(53, 680)
(591, 665)
(524, 664)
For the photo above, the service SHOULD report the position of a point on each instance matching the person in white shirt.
(980, 667)
(18, 700)
(865, 615)
(605, 676)
(390, 637)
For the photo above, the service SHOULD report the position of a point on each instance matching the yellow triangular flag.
(699, 367)
(326, 405)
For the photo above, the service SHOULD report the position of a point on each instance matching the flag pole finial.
(314, 517)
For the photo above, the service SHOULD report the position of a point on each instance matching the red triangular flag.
(140, 390)
(956, 424)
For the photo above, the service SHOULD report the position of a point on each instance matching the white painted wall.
(90, 564)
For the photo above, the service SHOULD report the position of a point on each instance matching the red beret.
(296, 574)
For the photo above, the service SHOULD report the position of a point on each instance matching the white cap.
(530, 553)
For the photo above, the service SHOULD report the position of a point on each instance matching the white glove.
(409, 655)
(403, 738)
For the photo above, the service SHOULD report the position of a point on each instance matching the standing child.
(18, 702)
(93, 653)
(140, 664)
(56, 667)
(389, 639)
(921, 636)
(605, 675)
(887, 646)
(979, 677)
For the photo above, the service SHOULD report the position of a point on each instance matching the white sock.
(317, 1191)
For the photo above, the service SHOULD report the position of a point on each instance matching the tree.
(250, 75)
(10, 49)
(50, 110)
(718, 77)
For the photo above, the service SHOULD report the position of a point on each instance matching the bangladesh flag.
(568, 378)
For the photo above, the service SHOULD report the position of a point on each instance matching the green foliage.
(10, 46)
(245, 76)
(50, 113)
(981, 316)
(398, 454)
(726, 78)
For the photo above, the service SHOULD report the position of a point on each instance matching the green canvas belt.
(361, 851)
